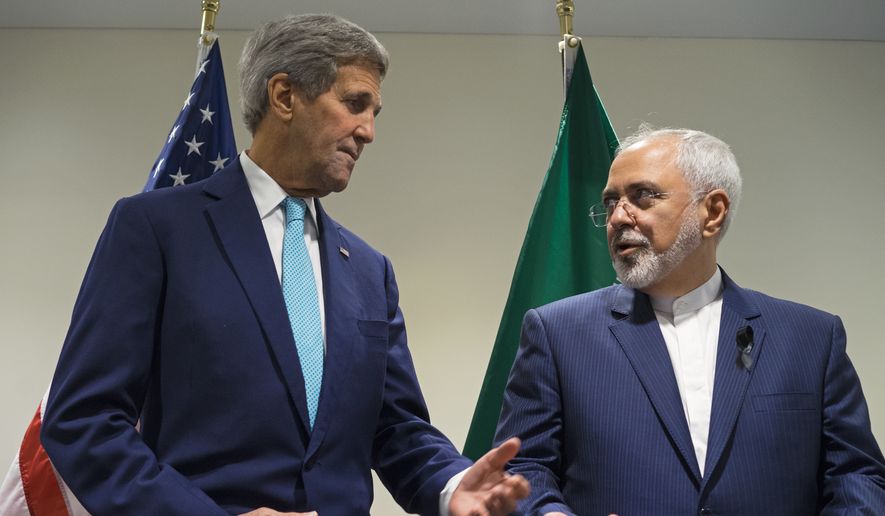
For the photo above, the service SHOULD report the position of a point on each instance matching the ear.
(715, 204)
(282, 97)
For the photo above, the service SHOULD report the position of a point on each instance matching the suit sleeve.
(103, 374)
(413, 459)
(853, 470)
(532, 411)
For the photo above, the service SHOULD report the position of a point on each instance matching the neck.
(264, 152)
(693, 272)
(261, 153)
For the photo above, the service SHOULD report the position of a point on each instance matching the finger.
(521, 486)
(500, 456)
(489, 469)
(501, 501)
(505, 506)
(518, 487)
(502, 498)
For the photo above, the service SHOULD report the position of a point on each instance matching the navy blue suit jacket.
(593, 396)
(181, 324)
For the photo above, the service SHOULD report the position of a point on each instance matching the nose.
(365, 131)
(621, 216)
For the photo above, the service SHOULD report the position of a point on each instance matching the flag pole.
(207, 31)
(207, 28)
(568, 45)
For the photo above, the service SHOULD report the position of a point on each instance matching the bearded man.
(678, 392)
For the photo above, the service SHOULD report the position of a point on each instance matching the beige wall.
(447, 189)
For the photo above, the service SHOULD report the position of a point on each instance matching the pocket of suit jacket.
(781, 402)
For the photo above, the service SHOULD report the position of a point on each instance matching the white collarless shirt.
(690, 325)
(268, 196)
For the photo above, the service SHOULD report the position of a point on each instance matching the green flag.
(563, 254)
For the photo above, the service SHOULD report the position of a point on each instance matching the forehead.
(649, 162)
(354, 78)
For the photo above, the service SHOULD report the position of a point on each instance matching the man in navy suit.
(678, 392)
(182, 325)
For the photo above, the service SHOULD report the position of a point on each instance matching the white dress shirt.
(690, 325)
(269, 195)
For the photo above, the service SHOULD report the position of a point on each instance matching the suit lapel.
(236, 223)
(639, 335)
(341, 303)
(731, 379)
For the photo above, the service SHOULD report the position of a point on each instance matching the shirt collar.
(268, 194)
(698, 298)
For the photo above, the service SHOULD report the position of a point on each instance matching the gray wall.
(447, 189)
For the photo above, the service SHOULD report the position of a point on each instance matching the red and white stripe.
(32, 487)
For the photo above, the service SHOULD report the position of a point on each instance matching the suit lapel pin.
(344, 251)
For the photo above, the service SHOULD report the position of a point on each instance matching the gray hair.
(310, 48)
(706, 162)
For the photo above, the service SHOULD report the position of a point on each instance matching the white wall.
(447, 189)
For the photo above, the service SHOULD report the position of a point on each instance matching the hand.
(487, 489)
(264, 511)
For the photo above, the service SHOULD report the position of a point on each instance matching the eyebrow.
(650, 185)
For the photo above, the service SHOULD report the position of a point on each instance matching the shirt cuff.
(445, 497)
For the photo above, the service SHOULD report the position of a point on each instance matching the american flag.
(200, 143)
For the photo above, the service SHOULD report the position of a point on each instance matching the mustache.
(629, 236)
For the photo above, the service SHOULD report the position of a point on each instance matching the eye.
(645, 193)
(643, 197)
(610, 203)
(355, 105)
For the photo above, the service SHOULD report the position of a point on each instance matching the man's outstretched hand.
(488, 490)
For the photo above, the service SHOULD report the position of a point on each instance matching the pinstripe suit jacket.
(593, 396)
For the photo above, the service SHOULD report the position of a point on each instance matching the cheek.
(661, 235)
(332, 136)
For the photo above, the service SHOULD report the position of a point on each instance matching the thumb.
(497, 458)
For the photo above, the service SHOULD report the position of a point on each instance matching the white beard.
(645, 266)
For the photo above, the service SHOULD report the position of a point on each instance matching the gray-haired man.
(258, 341)
(679, 392)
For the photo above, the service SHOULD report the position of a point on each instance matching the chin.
(339, 182)
(339, 186)
(334, 176)
(330, 187)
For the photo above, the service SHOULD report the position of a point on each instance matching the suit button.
(706, 511)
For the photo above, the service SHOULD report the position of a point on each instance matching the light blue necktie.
(302, 303)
